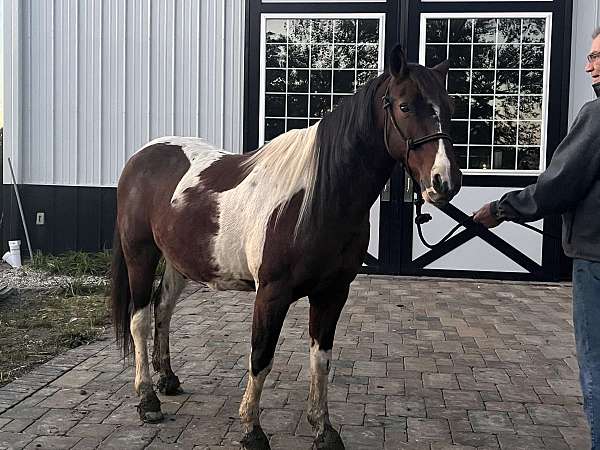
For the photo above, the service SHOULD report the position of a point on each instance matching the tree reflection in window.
(496, 81)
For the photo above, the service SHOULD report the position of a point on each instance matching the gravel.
(25, 278)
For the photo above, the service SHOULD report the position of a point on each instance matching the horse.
(289, 220)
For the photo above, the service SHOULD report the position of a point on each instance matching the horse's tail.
(120, 295)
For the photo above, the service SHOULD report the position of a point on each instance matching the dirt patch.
(38, 324)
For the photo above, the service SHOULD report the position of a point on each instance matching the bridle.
(411, 144)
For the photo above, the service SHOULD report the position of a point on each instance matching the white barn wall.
(87, 83)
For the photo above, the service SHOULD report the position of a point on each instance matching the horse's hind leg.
(325, 310)
(272, 303)
(141, 264)
(170, 287)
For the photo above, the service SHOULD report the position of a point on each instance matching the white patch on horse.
(320, 362)
(200, 153)
(282, 168)
(441, 165)
(140, 331)
(249, 407)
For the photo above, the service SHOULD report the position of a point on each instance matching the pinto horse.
(288, 220)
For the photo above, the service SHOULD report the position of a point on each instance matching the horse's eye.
(405, 107)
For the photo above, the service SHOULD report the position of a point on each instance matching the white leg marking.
(249, 408)
(320, 363)
(140, 330)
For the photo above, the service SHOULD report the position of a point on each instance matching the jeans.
(586, 319)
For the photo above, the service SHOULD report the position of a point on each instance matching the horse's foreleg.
(171, 286)
(271, 305)
(325, 310)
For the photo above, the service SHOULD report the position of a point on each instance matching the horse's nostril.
(440, 186)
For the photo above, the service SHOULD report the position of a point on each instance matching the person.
(571, 186)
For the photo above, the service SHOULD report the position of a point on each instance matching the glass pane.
(344, 56)
(298, 56)
(297, 105)
(298, 80)
(311, 122)
(460, 56)
(505, 133)
(461, 30)
(276, 55)
(481, 132)
(480, 157)
(507, 82)
(293, 124)
(276, 30)
(319, 105)
(459, 81)
(531, 108)
(485, 30)
(435, 54)
(460, 151)
(338, 99)
(368, 30)
(504, 157)
(509, 30)
(534, 30)
(528, 158)
(461, 107)
(275, 80)
(484, 56)
(482, 107)
(532, 81)
(321, 56)
(533, 57)
(273, 128)
(459, 131)
(437, 30)
(298, 30)
(275, 105)
(508, 56)
(343, 81)
(483, 82)
(344, 30)
(367, 56)
(362, 76)
(530, 133)
(322, 30)
(506, 107)
(320, 81)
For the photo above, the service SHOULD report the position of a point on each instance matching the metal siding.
(87, 83)
(586, 17)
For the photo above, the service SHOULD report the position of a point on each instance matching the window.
(498, 81)
(311, 62)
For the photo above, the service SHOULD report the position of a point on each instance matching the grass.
(36, 326)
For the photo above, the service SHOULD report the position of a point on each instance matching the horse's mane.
(314, 158)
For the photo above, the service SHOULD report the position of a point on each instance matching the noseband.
(411, 144)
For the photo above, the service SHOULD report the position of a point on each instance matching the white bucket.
(13, 257)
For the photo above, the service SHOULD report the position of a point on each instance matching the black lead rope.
(422, 218)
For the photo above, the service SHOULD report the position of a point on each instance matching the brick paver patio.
(418, 364)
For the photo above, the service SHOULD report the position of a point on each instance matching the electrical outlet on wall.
(40, 218)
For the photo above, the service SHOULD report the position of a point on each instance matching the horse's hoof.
(149, 407)
(256, 440)
(169, 385)
(329, 439)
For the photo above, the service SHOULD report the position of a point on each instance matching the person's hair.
(596, 33)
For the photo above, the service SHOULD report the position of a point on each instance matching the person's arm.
(571, 173)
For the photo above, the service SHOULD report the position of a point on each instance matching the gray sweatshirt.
(569, 186)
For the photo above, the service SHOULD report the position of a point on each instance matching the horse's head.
(416, 126)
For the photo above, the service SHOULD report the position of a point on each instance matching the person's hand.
(485, 217)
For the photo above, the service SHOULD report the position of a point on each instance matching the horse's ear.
(398, 64)
(442, 68)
